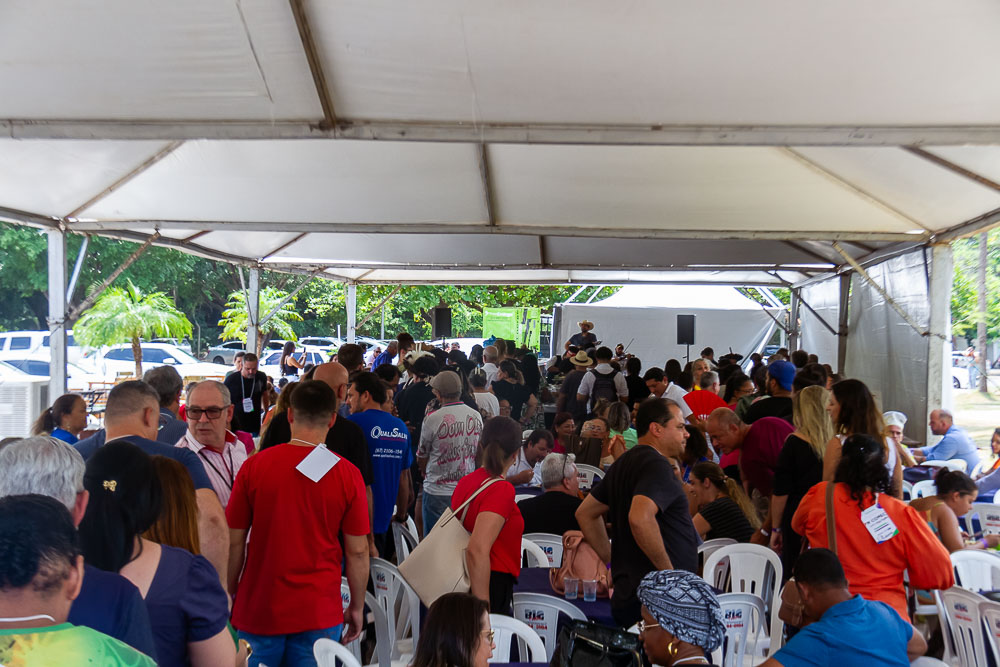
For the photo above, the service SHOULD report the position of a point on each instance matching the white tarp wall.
(883, 350)
(648, 314)
(815, 338)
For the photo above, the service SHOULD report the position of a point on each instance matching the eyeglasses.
(643, 626)
(489, 635)
(212, 413)
(566, 460)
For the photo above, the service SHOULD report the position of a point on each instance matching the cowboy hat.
(581, 359)
(585, 323)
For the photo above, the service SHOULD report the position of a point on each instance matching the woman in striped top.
(723, 508)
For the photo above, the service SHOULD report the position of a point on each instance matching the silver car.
(225, 353)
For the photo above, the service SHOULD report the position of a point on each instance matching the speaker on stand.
(441, 324)
(685, 333)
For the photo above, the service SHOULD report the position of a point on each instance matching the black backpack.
(604, 387)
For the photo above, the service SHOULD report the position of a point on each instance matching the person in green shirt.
(41, 571)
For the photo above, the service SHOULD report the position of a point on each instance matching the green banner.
(522, 325)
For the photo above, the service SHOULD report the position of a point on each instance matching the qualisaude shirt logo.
(394, 434)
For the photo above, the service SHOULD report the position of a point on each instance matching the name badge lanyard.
(247, 402)
(229, 470)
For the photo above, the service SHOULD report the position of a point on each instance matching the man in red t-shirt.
(300, 499)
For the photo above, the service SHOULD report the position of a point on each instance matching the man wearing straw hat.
(585, 340)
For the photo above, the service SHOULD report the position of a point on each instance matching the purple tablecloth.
(919, 473)
(536, 580)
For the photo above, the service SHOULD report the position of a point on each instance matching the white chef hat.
(894, 418)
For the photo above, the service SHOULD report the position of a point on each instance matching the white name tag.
(247, 405)
(319, 462)
(878, 523)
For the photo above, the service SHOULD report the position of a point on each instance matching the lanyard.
(243, 387)
(232, 475)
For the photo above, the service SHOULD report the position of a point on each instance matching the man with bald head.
(344, 437)
(956, 443)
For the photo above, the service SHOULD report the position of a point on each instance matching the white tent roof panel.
(982, 160)
(648, 62)
(432, 249)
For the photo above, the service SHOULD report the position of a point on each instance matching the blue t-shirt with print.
(389, 448)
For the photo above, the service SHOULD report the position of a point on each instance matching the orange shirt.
(875, 571)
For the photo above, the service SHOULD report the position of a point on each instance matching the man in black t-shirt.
(651, 526)
(554, 511)
(248, 391)
(780, 376)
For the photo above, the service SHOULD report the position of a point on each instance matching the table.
(919, 473)
(536, 580)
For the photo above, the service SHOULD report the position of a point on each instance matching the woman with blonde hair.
(800, 466)
(723, 508)
(177, 524)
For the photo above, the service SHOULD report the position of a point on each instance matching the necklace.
(304, 442)
(36, 617)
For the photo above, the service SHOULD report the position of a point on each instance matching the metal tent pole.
(57, 314)
(352, 311)
(253, 311)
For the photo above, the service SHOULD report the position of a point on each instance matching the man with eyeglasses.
(555, 510)
(209, 408)
(651, 526)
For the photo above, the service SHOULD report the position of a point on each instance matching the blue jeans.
(295, 650)
(434, 507)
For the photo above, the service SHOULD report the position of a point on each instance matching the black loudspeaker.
(441, 327)
(685, 329)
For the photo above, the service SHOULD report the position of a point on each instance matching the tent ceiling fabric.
(518, 132)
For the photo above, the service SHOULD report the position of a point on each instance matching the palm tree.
(124, 314)
(235, 316)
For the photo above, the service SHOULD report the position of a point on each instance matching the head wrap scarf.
(685, 606)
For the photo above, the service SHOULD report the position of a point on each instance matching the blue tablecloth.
(919, 473)
(536, 580)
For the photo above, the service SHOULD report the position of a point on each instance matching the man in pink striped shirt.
(208, 410)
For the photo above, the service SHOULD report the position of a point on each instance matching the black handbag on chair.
(588, 644)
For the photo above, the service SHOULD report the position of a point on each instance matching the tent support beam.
(96, 292)
(57, 313)
(484, 174)
(952, 167)
(885, 295)
(844, 323)
(543, 253)
(378, 307)
(793, 320)
(815, 255)
(508, 133)
(352, 311)
(281, 247)
(983, 223)
(817, 316)
(146, 164)
(939, 344)
(253, 310)
(315, 65)
(80, 256)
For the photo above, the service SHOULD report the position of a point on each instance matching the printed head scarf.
(685, 606)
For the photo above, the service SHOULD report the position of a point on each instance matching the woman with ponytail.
(65, 420)
(723, 508)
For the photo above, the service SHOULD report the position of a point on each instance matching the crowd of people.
(213, 523)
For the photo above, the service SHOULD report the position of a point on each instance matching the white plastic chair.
(506, 629)
(382, 643)
(961, 465)
(989, 517)
(741, 612)
(927, 661)
(522, 496)
(540, 612)
(907, 491)
(536, 557)
(935, 464)
(961, 610)
(401, 605)
(588, 475)
(756, 570)
(405, 540)
(328, 652)
(550, 543)
(990, 612)
(976, 570)
(924, 488)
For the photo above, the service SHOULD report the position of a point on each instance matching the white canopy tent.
(453, 141)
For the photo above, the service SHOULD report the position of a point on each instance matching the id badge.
(319, 462)
(878, 523)
(248, 405)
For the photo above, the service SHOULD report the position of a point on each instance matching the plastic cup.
(571, 587)
(589, 590)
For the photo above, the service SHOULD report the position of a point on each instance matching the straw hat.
(581, 359)
(585, 323)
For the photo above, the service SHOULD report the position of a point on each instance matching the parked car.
(37, 364)
(225, 353)
(325, 343)
(118, 359)
(8, 372)
(269, 362)
(186, 346)
(34, 341)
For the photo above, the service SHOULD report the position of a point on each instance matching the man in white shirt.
(660, 387)
(522, 471)
(487, 402)
(490, 364)
(609, 382)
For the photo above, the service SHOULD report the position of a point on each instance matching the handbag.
(437, 564)
(791, 611)
(580, 561)
(589, 644)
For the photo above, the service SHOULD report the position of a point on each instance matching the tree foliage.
(235, 317)
(964, 294)
(127, 314)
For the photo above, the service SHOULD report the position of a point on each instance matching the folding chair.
(741, 611)
(540, 612)
(550, 543)
(588, 475)
(960, 611)
(529, 644)
(536, 557)
(328, 653)
(401, 606)
(924, 488)
(383, 645)
(757, 570)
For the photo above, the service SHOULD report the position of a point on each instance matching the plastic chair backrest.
(536, 557)
(927, 661)
(328, 652)
(962, 611)
(976, 570)
(990, 611)
(404, 540)
(522, 496)
(907, 490)
(505, 629)
(978, 469)
(924, 488)
(550, 543)
(741, 612)
(540, 612)
(961, 465)
(588, 475)
(935, 464)
(399, 602)
(989, 517)
(383, 645)
(756, 570)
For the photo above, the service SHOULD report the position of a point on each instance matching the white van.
(36, 341)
